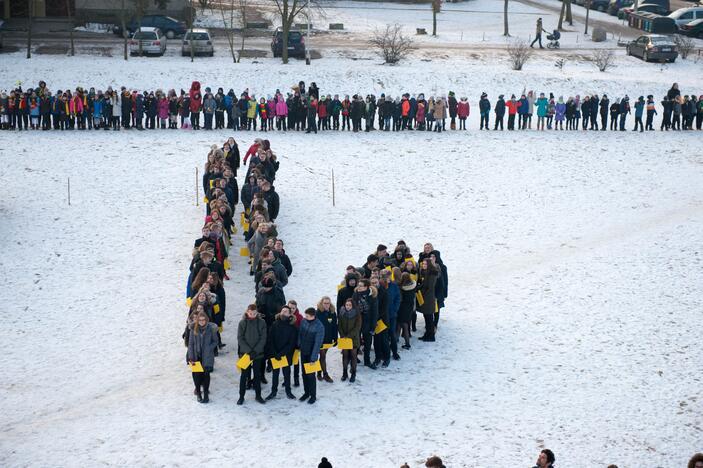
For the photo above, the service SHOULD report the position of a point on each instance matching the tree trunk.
(124, 31)
(192, 21)
(70, 25)
(434, 21)
(228, 29)
(588, 11)
(569, 17)
(30, 20)
(561, 16)
(506, 32)
(243, 7)
(286, 23)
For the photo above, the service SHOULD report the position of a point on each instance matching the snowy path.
(575, 290)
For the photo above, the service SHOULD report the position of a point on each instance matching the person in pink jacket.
(271, 108)
(281, 112)
(162, 110)
(463, 109)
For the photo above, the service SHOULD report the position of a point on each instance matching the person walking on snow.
(538, 33)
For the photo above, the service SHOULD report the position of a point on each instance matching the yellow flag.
(244, 251)
(345, 343)
(220, 328)
(244, 362)
(339, 287)
(245, 226)
(196, 367)
(296, 357)
(205, 200)
(327, 345)
(413, 277)
(380, 326)
(312, 367)
(216, 308)
(242, 220)
(278, 363)
(420, 299)
(227, 264)
(189, 301)
(436, 307)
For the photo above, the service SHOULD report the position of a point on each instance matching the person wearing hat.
(310, 337)
(538, 33)
(251, 338)
(624, 110)
(484, 107)
(652, 111)
(604, 106)
(541, 110)
(639, 112)
(324, 463)
(500, 113)
(452, 105)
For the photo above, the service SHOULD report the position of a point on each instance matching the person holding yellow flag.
(251, 336)
(426, 301)
(365, 300)
(283, 339)
(327, 315)
(349, 329)
(310, 338)
(202, 342)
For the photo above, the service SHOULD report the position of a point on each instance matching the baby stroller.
(553, 40)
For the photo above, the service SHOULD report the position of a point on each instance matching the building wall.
(111, 10)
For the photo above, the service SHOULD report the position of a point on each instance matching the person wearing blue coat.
(523, 111)
(393, 306)
(639, 111)
(139, 108)
(624, 110)
(310, 337)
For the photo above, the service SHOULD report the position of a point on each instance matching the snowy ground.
(574, 260)
(575, 283)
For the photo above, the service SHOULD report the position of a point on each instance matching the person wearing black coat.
(249, 188)
(365, 300)
(594, 112)
(500, 112)
(427, 279)
(604, 106)
(407, 306)
(282, 341)
(350, 283)
(272, 200)
(280, 253)
(380, 340)
(269, 299)
(207, 259)
(585, 112)
(453, 105)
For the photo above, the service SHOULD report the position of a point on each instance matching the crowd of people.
(376, 303)
(308, 109)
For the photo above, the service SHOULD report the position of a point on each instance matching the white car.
(147, 41)
(686, 15)
(200, 40)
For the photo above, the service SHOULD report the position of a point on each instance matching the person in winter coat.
(347, 290)
(551, 110)
(202, 342)
(327, 315)
(282, 341)
(523, 108)
(310, 337)
(380, 339)
(594, 112)
(462, 111)
(604, 106)
(365, 300)
(251, 337)
(484, 107)
(252, 110)
(427, 280)
(281, 113)
(162, 111)
(269, 299)
(196, 104)
(545, 459)
(651, 112)
(624, 110)
(440, 114)
(541, 110)
(349, 326)
(639, 112)
(406, 309)
(530, 108)
(500, 112)
(614, 113)
(280, 253)
(560, 110)
(393, 306)
(585, 112)
(272, 199)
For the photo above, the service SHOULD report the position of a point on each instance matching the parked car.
(148, 41)
(170, 26)
(296, 43)
(200, 40)
(686, 15)
(615, 5)
(653, 47)
(624, 13)
(693, 29)
(600, 5)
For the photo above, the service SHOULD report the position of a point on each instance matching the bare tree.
(684, 44)
(123, 20)
(203, 5)
(588, 12)
(70, 25)
(565, 12)
(140, 7)
(288, 11)
(191, 20)
(391, 44)
(436, 8)
(519, 53)
(603, 59)
(30, 21)
(227, 11)
(506, 33)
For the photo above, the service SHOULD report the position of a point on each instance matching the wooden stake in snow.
(69, 191)
(197, 202)
(333, 200)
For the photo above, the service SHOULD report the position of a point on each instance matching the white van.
(686, 15)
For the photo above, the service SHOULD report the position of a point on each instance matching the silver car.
(148, 41)
(201, 42)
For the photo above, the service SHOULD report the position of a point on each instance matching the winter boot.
(327, 378)
(289, 394)
(199, 395)
(206, 397)
(352, 378)
(260, 400)
(240, 402)
(271, 396)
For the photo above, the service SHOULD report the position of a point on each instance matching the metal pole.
(197, 202)
(69, 191)
(333, 198)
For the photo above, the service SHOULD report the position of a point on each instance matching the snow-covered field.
(575, 292)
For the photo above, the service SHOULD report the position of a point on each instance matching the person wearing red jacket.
(322, 115)
(512, 106)
(196, 104)
(253, 149)
(462, 111)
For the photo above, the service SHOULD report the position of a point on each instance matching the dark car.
(693, 29)
(615, 5)
(171, 27)
(296, 43)
(653, 47)
(600, 5)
